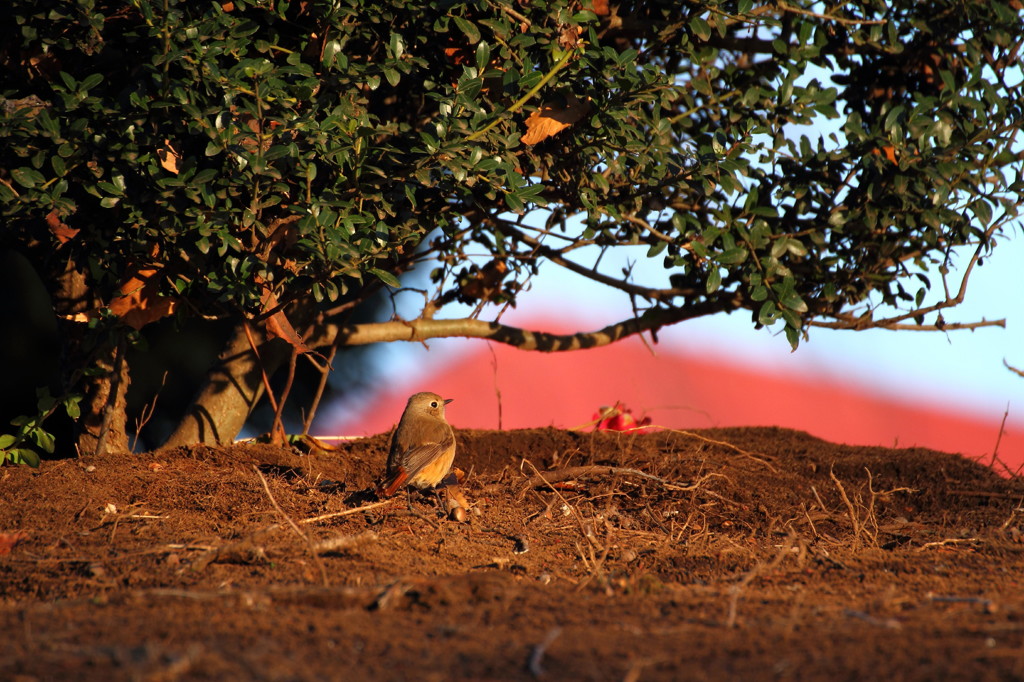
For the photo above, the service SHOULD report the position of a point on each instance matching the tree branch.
(849, 321)
(524, 339)
(859, 324)
(555, 256)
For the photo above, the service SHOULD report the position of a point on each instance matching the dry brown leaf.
(551, 120)
(169, 157)
(569, 37)
(600, 7)
(61, 230)
(140, 301)
(278, 325)
(253, 144)
(485, 284)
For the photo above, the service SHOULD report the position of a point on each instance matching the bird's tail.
(390, 485)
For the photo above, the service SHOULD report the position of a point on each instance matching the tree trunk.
(103, 426)
(231, 390)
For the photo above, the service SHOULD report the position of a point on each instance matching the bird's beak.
(448, 400)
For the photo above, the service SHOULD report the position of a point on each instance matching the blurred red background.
(496, 386)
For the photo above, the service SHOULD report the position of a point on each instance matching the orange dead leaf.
(61, 230)
(600, 7)
(550, 120)
(889, 152)
(140, 302)
(459, 55)
(169, 157)
(278, 325)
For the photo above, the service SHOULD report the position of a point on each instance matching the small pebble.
(457, 514)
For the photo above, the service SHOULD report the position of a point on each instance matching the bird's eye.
(433, 403)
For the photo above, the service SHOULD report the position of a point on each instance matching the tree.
(276, 163)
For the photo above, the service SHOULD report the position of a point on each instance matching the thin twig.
(147, 412)
(737, 590)
(278, 427)
(298, 531)
(943, 543)
(999, 438)
(235, 551)
(758, 457)
(318, 396)
(829, 17)
(537, 655)
(259, 360)
(576, 514)
(556, 475)
(347, 512)
(344, 543)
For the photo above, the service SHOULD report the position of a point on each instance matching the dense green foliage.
(236, 156)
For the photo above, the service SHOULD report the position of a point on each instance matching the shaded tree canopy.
(277, 163)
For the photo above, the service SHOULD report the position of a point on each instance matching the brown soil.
(768, 554)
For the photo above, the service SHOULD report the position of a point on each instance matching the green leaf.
(44, 440)
(768, 314)
(204, 176)
(791, 300)
(714, 280)
(733, 256)
(25, 456)
(514, 203)
(71, 406)
(469, 28)
(28, 178)
(386, 277)
(793, 336)
(90, 82)
(982, 211)
(483, 57)
(700, 28)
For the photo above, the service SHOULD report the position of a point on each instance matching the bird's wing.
(413, 461)
(422, 455)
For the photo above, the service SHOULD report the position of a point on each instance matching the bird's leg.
(441, 504)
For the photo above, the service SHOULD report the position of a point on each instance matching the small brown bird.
(423, 447)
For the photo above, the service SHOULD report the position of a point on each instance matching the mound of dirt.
(718, 554)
